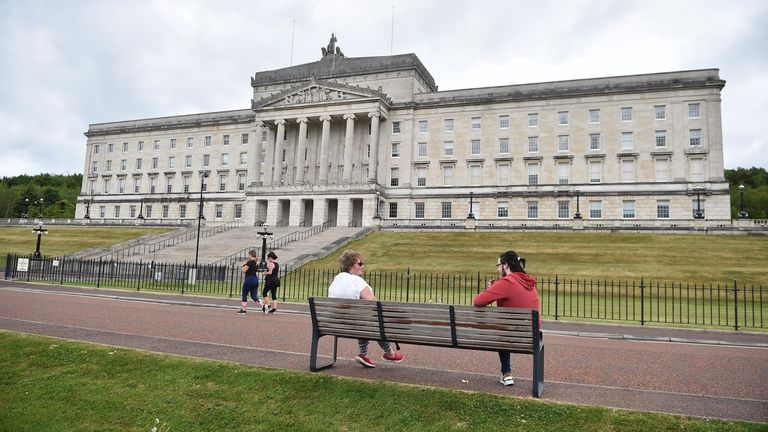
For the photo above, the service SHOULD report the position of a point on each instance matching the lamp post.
(87, 209)
(577, 215)
(200, 218)
(40, 231)
(698, 214)
(742, 213)
(377, 216)
(471, 204)
(262, 267)
(141, 209)
(40, 211)
(25, 213)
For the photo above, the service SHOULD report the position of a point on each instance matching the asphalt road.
(714, 374)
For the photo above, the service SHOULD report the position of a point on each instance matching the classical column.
(374, 159)
(324, 143)
(348, 150)
(278, 159)
(302, 148)
(254, 170)
(268, 156)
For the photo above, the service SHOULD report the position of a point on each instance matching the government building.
(367, 141)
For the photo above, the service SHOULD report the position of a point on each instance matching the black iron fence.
(732, 304)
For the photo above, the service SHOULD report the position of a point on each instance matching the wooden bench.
(467, 327)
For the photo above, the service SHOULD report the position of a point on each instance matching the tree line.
(21, 195)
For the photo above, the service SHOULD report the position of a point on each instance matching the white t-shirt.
(347, 285)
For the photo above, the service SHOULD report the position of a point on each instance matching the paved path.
(716, 374)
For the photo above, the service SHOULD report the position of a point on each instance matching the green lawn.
(65, 240)
(54, 385)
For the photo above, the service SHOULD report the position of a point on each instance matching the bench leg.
(313, 353)
(538, 370)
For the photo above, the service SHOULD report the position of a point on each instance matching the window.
(503, 145)
(697, 169)
(109, 166)
(182, 211)
(628, 209)
(207, 141)
(140, 146)
(448, 148)
(132, 211)
(110, 147)
(595, 171)
(423, 126)
(447, 175)
(121, 185)
(396, 127)
(149, 211)
(243, 158)
(533, 209)
(533, 119)
(154, 163)
(95, 149)
(594, 141)
(225, 140)
(475, 171)
(241, 181)
(171, 143)
(393, 209)
(421, 176)
(595, 209)
(627, 140)
(125, 147)
(695, 137)
(533, 144)
(165, 211)
(594, 116)
(244, 139)
(92, 186)
(662, 170)
(563, 209)
(661, 138)
(238, 211)
(562, 143)
(503, 173)
(204, 186)
(185, 183)
(169, 185)
(662, 209)
(475, 124)
(474, 147)
(422, 146)
(206, 160)
(563, 173)
(94, 166)
(395, 150)
(394, 177)
(448, 125)
(503, 122)
(562, 118)
(152, 184)
(171, 161)
(188, 161)
(445, 210)
(224, 159)
(102, 212)
(222, 182)
(627, 170)
(533, 174)
(502, 209)
(419, 210)
(156, 145)
(660, 112)
(117, 211)
(694, 110)
(219, 211)
(123, 164)
(626, 114)
(190, 142)
(136, 184)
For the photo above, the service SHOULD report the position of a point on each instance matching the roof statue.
(332, 49)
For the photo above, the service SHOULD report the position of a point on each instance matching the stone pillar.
(302, 148)
(273, 211)
(373, 161)
(344, 211)
(254, 168)
(324, 143)
(268, 156)
(294, 219)
(278, 157)
(714, 137)
(348, 150)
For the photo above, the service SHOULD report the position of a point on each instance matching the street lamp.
(141, 209)
(40, 212)
(40, 231)
(88, 209)
(200, 218)
(262, 267)
(742, 213)
(471, 202)
(698, 214)
(577, 215)
(378, 216)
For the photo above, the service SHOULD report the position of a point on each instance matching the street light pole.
(577, 215)
(40, 231)
(471, 202)
(262, 267)
(698, 214)
(40, 212)
(141, 209)
(742, 213)
(87, 209)
(200, 217)
(378, 216)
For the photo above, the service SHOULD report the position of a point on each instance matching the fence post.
(642, 301)
(557, 284)
(98, 275)
(7, 266)
(407, 283)
(61, 267)
(736, 305)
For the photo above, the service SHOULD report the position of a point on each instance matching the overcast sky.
(65, 64)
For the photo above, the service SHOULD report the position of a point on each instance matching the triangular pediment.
(318, 92)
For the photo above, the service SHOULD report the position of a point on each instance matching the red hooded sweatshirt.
(513, 290)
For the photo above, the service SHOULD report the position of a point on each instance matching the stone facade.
(346, 139)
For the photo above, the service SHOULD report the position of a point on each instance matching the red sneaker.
(395, 357)
(365, 361)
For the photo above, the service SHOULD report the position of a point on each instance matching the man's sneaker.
(264, 309)
(272, 310)
(365, 361)
(241, 311)
(395, 357)
(506, 379)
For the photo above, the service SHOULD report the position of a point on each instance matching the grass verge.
(55, 385)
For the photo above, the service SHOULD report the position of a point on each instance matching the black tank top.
(274, 277)
(251, 268)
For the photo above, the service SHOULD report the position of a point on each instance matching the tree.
(755, 181)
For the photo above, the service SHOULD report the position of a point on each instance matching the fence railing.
(733, 304)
